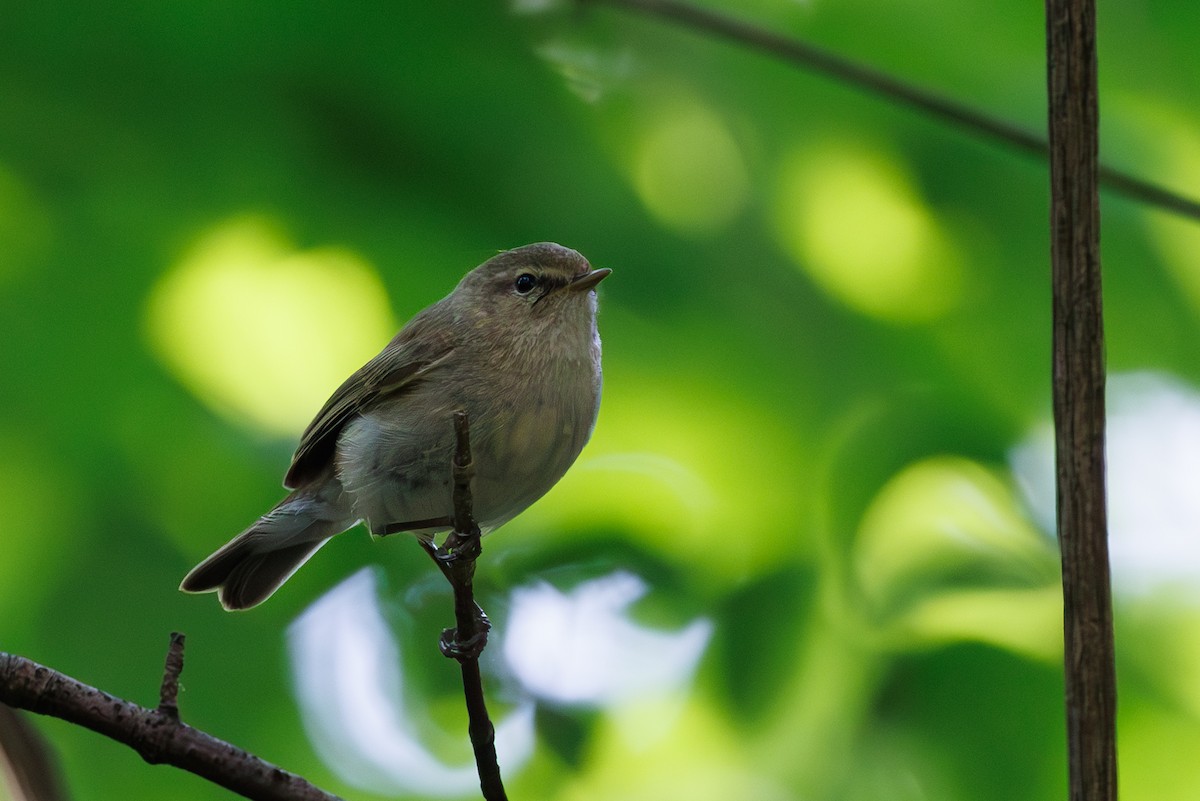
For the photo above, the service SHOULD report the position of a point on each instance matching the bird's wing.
(401, 365)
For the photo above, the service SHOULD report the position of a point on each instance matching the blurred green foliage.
(827, 329)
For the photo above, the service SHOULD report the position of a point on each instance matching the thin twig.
(890, 88)
(168, 694)
(456, 559)
(1079, 400)
(464, 473)
(156, 734)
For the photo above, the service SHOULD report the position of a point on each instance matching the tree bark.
(1079, 418)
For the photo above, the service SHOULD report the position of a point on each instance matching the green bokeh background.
(833, 486)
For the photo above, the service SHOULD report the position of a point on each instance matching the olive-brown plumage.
(515, 345)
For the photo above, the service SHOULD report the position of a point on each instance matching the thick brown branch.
(156, 734)
(1079, 400)
(890, 88)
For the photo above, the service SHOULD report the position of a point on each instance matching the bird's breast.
(528, 423)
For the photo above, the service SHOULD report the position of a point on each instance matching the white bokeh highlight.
(350, 688)
(574, 648)
(580, 647)
(1153, 449)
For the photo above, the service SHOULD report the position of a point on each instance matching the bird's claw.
(462, 650)
(458, 549)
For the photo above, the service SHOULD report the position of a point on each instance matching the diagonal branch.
(156, 734)
(160, 737)
(883, 85)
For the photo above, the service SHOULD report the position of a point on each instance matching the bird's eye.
(526, 283)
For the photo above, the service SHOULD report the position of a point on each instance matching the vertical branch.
(463, 473)
(456, 559)
(1079, 400)
(472, 623)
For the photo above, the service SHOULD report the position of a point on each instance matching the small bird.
(514, 345)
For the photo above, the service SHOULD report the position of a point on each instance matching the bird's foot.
(459, 549)
(470, 647)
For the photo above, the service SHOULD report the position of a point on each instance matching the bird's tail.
(249, 568)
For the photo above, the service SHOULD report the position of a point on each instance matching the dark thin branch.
(464, 472)
(156, 734)
(456, 559)
(889, 88)
(1079, 400)
(168, 694)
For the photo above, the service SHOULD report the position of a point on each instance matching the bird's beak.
(588, 280)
